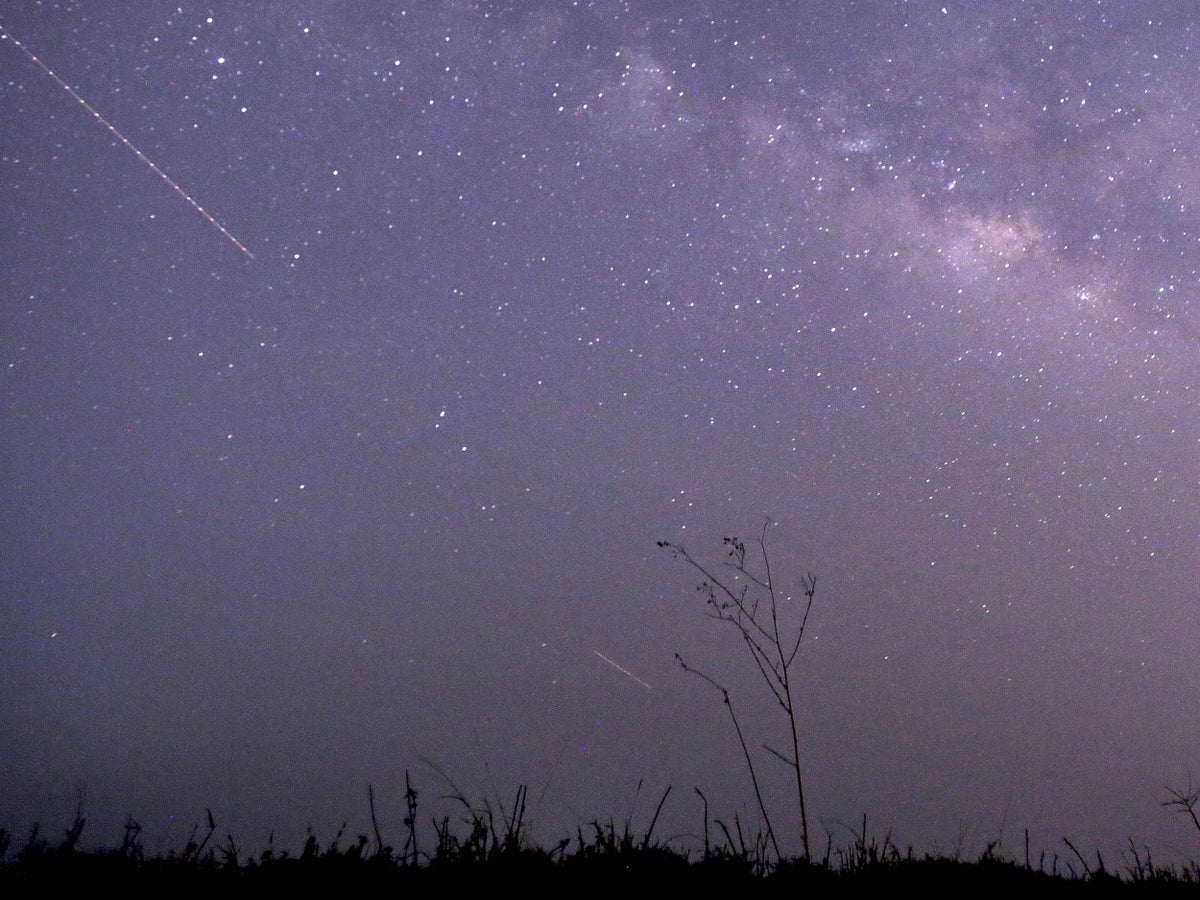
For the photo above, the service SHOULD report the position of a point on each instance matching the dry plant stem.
(771, 651)
(1185, 801)
(375, 821)
(1086, 869)
(410, 820)
(762, 808)
(707, 850)
(654, 821)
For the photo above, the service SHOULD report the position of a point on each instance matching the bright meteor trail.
(128, 143)
(622, 670)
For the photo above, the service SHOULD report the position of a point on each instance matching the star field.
(535, 285)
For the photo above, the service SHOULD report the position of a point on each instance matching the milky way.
(536, 285)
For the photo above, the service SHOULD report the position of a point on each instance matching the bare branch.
(1186, 801)
(762, 808)
(779, 756)
(752, 607)
(809, 583)
(770, 677)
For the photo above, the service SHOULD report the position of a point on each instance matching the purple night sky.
(537, 284)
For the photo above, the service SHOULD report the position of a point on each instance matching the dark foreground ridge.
(492, 851)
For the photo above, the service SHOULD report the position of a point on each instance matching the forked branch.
(1185, 801)
(749, 602)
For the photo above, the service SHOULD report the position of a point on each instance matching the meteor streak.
(128, 143)
(622, 670)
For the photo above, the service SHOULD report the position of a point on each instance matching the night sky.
(528, 287)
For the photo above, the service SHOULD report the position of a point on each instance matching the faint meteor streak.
(622, 670)
(128, 143)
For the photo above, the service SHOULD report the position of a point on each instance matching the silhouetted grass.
(490, 847)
